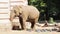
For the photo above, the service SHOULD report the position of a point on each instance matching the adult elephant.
(25, 13)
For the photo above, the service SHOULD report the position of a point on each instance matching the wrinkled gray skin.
(25, 13)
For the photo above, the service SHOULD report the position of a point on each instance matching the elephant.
(25, 13)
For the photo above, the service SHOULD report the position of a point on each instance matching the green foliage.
(51, 20)
(53, 7)
(39, 4)
(42, 4)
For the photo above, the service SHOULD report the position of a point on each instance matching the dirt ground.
(6, 29)
(27, 32)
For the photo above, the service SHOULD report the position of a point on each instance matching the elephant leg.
(22, 22)
(33, 24)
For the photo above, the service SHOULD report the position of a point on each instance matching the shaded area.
(47, 8)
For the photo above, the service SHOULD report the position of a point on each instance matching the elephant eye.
(20, 13)
(14, 11)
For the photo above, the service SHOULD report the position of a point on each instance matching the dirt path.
(27, 32)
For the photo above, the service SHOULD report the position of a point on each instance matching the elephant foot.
(24, 29)
(16, 28)
(58, 31)
(30, 30)
(33, 29)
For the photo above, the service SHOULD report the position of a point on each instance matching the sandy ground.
(6, 29)
(27, 32)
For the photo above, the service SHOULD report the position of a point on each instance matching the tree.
(47, 8)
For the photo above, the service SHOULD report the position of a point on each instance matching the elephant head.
(16, 11)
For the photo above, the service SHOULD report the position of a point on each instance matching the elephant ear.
(20, 9)
(17, 10)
